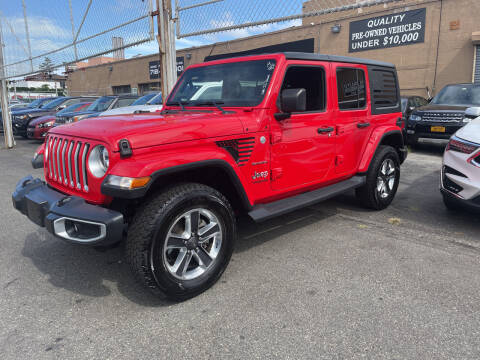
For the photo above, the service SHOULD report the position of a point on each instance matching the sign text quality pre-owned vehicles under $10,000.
(391, 30)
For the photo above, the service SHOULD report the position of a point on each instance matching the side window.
(351, 89)
(310, 78)
(123, 102)
(384, 90)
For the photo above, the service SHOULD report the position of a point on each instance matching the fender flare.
(369, 155)
(140, 192)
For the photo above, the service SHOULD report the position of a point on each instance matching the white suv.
(460, 175)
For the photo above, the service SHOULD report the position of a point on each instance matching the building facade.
(432, 43)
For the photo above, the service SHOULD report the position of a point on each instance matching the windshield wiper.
(214, 103)
(179, 103)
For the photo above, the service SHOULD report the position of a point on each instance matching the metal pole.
(7, 121)
(27, 34)
(73, 29)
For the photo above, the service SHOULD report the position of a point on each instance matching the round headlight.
(98, 161)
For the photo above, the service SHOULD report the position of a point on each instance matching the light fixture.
(336, 28)
(189, 56)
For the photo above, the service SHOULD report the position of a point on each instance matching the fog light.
(79, 230)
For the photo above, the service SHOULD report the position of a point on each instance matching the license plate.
(437, 129)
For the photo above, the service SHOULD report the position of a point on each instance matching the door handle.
(325, 130)
(363, 125)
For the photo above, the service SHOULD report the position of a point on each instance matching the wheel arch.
(391, 137)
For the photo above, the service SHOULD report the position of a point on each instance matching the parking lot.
(330, 281)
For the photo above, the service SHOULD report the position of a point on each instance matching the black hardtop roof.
(335, 58)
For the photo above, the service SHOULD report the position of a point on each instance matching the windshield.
(157, 100)
(72, 108)
(36, 103)
(143, 100)
(467, 95)
(241, 83)
(53, 104)
(101, 104)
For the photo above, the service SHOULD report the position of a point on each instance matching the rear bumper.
(67, 217)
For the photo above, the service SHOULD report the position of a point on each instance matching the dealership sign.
(387, 31)
(154, 68)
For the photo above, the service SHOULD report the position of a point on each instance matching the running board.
(264, 212)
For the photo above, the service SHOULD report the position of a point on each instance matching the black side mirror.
(294, 100)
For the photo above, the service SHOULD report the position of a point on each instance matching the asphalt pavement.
(332, 281)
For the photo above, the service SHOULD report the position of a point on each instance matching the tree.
(46, 67)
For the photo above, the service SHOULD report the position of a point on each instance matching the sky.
(50, 26)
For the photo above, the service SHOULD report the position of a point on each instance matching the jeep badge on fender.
(234, 134)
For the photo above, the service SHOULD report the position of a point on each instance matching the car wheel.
(181, 241)
(382, 180)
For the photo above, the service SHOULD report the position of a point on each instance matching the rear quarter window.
(384, 90)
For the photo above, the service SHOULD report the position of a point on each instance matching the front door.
(303, 146)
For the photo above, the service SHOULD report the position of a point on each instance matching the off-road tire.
(368, 194)
(148, 232)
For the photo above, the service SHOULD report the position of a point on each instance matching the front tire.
(181, 241)
(382, 181)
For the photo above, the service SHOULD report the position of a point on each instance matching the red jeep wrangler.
(262, 134)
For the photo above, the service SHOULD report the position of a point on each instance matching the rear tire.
(382, 181)
(166, 243)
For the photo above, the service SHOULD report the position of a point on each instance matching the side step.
(264, 212)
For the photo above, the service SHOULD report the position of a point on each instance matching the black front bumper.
(424, 130)
(59, 213)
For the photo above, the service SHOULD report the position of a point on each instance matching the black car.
(21, 118)
(444, 115)
(100, 105)
(35, 104)
(409, 104)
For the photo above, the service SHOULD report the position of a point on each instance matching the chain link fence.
(43, 35)
(200, 17)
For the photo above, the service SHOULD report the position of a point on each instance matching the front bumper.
(473, 204)
(37, 133)
(67, 217)
(423, 129)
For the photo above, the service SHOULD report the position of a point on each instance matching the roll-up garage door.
(476, 70)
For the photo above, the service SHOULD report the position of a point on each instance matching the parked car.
(409, 104)
(22, 118)
(100, 105)
(147, 103)
(272, 143)
(444, 115)
(32, 105)
(39, 127)
(460, 175)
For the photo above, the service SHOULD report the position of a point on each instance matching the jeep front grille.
(443, 117)
(67, 162)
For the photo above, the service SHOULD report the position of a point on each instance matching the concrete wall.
(445, 57)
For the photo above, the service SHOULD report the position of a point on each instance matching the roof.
(335, 58)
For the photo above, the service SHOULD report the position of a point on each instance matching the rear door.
(303, 146)
(352, 116)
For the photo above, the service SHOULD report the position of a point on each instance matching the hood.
(35, 112)
(131, 109)
(470, 132)
(145, 130)
(41, 119)
(440, 107)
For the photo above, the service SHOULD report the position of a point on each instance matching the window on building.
(121, 89)
(312, 79)
(149, 87)
(351, 89)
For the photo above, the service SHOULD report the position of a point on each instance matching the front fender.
(374, 142)
(166, 162)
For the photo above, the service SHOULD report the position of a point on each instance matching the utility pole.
(6, 116)
(166, 45)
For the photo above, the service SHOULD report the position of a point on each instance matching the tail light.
(461, 146)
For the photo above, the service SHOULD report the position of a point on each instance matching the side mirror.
(472, 112)
(61, 107)
(411, 108)
(293, 100)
